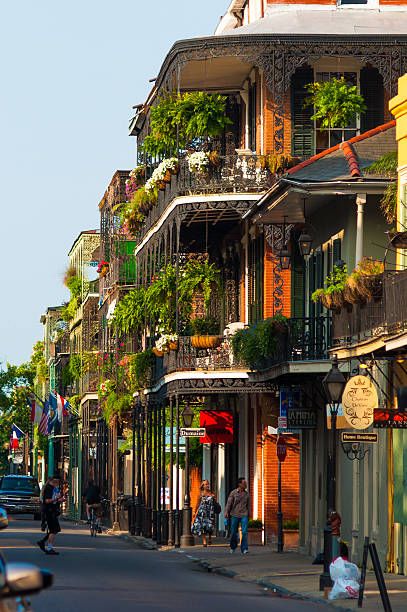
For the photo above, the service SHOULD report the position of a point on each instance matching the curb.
(278, 590)
(136, 540)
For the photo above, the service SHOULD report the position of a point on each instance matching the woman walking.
(203, 523)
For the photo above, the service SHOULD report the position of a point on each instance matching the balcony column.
(244, 93)
(360, 204)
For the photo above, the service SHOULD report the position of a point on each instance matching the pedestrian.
(237, 509)
(43, 519)
(52, 500)
(93, 499)
(203, 523)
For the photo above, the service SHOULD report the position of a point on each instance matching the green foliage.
(160, 299)
(74, 285)
(183, 118)
(130, 313)
(116, 405)
(140, 368)
(335, 282)
(388, 202)
(204, 326)
(335, 102)
(255, 344)
(197, 277)
(255, 524)
(291, 524)
(386, 165)
(75, 401)
(75, 366)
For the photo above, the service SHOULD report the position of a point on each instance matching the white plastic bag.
(346, 579)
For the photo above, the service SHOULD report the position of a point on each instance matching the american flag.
(43, 426)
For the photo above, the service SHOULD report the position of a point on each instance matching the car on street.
(20, 494)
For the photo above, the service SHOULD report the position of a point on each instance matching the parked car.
(20, 494)
(19, 580)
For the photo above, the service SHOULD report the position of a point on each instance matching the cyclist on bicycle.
(93, 499)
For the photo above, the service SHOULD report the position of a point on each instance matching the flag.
(43, 425)
(36, 406)
(63, 407)
(16, 434)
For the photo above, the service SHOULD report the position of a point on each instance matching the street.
(107, 573)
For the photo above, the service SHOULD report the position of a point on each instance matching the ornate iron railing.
(395, 299)
(306, 339)
(89, 382)
(233, 174)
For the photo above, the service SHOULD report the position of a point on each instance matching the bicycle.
(94, 523)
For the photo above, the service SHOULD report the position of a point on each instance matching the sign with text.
(192, 432)
(301, 418)
(359, 400)
(390, 419)
(218, 425)
(290, 399)
(365, 437)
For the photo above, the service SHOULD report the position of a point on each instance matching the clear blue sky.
(70, 73)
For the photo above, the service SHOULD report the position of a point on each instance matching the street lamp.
(187, 539)
(285, 258)
(334, 385)
(305, 243)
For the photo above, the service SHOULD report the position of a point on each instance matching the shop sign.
(390, 419)
(359, 400)
(192, 432)
(301, 418)
(218, 425)
(290, 399)
(365, 437)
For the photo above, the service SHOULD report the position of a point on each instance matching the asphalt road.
(109, 574)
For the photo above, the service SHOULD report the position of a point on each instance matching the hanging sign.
(365, 437)
(192, 432)
(290, 400)
(390, 419)
(218, 425)
(359, 400)
(301, 418)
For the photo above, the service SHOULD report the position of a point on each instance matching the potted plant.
(167, 342)
(291, 533)
(331, 295)
(255, 532)
(198, 162)
(103, 268)
(205, 333)
(335, 102)
(256, 345)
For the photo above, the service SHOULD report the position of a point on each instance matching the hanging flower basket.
(167, 176)
(206, 342)
(157, 352)
(161, 185)
(173, 345)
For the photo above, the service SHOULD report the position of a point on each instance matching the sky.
(70, 73)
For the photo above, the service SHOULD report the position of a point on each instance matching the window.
(329, 137)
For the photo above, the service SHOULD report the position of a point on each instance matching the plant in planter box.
(140, 365)
(364, 283)
(255, 529)
(167, 342)
(255, 524)
(335, 102)
(291, 524)
(198, 162)
(205, 332)
(254, 345)
(332, 295)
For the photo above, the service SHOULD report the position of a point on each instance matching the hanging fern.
(335, 102)
(388, 202)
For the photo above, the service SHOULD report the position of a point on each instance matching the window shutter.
(302, 124)
(337, 249)
(371, 88)
(297, 283)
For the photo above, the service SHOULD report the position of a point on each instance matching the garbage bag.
(346, 579)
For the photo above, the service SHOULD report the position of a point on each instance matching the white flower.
(198, 161)
(164, 340)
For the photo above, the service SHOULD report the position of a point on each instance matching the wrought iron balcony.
(306, 339)
(233, 174)
(89, 382)
(386, 314)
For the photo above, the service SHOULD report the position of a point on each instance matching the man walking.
(51, 504)
(237, 509)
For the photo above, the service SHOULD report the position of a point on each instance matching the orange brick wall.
(269, 122)
(269, 285)
(290, 478)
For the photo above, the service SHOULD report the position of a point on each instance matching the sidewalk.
(288, 573)
(292, 574)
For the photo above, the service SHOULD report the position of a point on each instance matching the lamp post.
(333, 384)
(187, 539)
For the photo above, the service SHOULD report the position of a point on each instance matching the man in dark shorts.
(51, 508)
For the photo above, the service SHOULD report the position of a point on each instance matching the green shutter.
(337, 250)
(297, 283)
(372, 90)
(302, 124)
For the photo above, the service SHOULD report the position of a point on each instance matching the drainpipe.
(360, 203)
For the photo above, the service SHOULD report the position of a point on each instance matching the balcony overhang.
(223, 74)
(285, 200)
